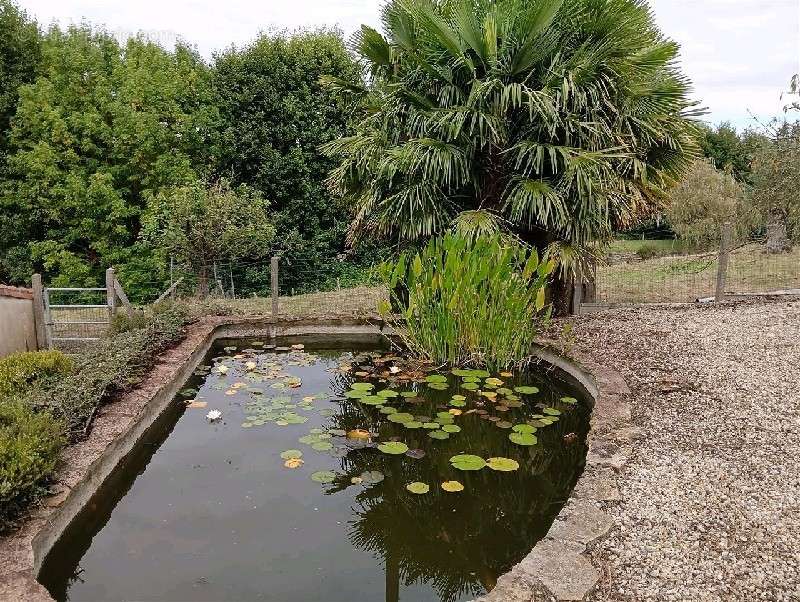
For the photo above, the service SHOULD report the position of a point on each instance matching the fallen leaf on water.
(196, 404)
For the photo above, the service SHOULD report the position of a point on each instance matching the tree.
(560, 120)
(706, 199)
(20, 52)
(274, 116)
(776, 181)
(198, 224)
(101, 130)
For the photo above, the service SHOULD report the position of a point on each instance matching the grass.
(685, 278)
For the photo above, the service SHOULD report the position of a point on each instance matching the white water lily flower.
(250, 366)
(213, 415)
(222, 369)
(394, 369)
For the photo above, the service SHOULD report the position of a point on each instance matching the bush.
(648, 251)
(468, 302)
(29, 445)
(20, 370)
(112, 364)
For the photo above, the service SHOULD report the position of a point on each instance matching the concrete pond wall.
(557, 567)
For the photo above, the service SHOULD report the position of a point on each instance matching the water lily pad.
(458, 403)
(438, 435)
(452, 486)
(413, 424)
(436, 378)
(401, 417)
(388, 410)
(502, 464)
(418, 488)
(551, 412)
(504, 424)
(188, 392)
(467, 462)
(527, 390)
(338, 432)
(438, 386)
(393, 448)
(322, 446)
(373, 400)
(408, 393)
(416, 454)
(570, 400)
(371, 477)
(451, 428)
(323, 476)
(362, 386)
(356, 394)
(470, 386)
(525, 439)
(493, 381)
(291, 453)
(387, 393)
(524, 428)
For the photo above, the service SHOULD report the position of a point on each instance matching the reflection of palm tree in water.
(460, 543)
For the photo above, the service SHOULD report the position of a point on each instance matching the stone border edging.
(556, 567)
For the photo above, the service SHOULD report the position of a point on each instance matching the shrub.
(20, 370)
(29, 445)
(463, 302)
(648, 251)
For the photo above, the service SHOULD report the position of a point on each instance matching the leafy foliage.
(19, 370)
(705, 200)
(558, 119)
(274, 116)
(469, 301)
(103, 127)
(197, 224)
(29, 445)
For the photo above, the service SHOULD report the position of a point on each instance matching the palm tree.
(555, 120)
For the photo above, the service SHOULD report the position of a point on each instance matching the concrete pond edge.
(557, 567)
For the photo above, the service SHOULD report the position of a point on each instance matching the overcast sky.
(740, 54)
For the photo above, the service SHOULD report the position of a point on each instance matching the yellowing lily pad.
(293, 463)
(418, 488)
(570, 400)
(452, 486)
(502, 464)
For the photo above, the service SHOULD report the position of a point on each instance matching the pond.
(332, 475)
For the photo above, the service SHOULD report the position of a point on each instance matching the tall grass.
(468, 302)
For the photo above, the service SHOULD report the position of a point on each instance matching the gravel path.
(711, 493)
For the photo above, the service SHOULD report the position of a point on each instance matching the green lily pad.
(418, 488)
(524, 428)
(373, 400)
(525, 439)
(527, 390)
(502, 464)
(393, 448)
(458, 403)
(551, 412)
(451, 428)
(322, 446)
(387, 393)
(413, 424)
(408, 393)
(388, 410)
(467, 462)
(323, 476)
(356, 394)
(362, 386)
(470, 386)
(188, 392)
(438, 386)
(291, 454)
(338, 432)
(471, 379)
(436, 378)
(570, 400)
(430, 425)
(504, 424)
(401, 417)
(438, 435)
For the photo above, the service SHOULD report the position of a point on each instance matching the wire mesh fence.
(687, 278)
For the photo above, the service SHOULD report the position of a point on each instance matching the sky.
(739, 54)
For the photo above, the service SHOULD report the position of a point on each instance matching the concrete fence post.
(722, 264)
(274, 292)
(111, 294)
(38, 311)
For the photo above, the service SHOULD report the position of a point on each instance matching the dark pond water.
(209, 510)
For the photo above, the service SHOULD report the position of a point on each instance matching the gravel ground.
(711, 493)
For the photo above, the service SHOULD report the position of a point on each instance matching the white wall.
(17, 326)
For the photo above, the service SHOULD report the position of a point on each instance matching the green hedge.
(20, 370)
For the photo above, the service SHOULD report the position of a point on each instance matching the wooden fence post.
(722, 264)
(111, 294)
(38, 311)
(274, 276)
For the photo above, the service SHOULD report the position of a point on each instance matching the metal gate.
(75, 322)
